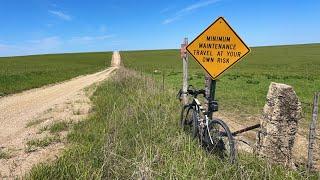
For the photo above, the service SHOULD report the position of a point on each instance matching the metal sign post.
(210, 88)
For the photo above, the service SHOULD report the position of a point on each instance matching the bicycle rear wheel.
(219, 140)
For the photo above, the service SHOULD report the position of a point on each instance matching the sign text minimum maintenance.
(217, 48)
(221, 45)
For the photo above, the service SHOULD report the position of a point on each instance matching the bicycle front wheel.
(220, 140)
(195, 123)
(189, 120)
(186, 117)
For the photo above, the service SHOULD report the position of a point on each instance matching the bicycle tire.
(185, 116)
(219, 140)
(195, 124)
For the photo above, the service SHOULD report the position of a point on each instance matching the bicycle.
(213, 134)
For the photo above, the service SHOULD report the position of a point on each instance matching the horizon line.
(156, 49)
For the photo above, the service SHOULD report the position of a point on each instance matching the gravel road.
(17, 110)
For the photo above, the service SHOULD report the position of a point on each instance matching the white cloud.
(52, 44)
(116, 42)
(188, 9)
(165, 10)
(5, 47)
(88, 39)
(197, 6)
(49, 25)
(61, 15)
(170, 20)
(103, 28)
(105, 37)
(39, 46)
(46, 43)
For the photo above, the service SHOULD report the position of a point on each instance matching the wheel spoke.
(220, 139)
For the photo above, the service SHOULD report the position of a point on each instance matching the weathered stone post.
(279, 124)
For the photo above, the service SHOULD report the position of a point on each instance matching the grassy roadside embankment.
(134, 133)
(27, 72)
(243, 88)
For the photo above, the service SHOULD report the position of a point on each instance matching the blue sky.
(56, 26)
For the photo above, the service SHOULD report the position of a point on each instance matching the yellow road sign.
(218, 48)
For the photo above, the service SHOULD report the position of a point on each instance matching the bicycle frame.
(203, 123)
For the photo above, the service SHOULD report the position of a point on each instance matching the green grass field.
(27, 72)
(133, 131)
(134, 134)
(243, 88)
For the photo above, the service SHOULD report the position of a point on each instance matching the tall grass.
(243, 88)
(134, 133)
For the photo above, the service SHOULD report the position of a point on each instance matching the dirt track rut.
(17, 110)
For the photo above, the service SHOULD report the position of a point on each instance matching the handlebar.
(193, 92)
(212, 104)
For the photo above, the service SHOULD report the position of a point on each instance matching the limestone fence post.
(279, 124)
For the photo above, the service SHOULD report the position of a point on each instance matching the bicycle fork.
(204, 126)
(207, 128)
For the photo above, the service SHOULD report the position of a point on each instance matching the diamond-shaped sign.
(218, 48)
